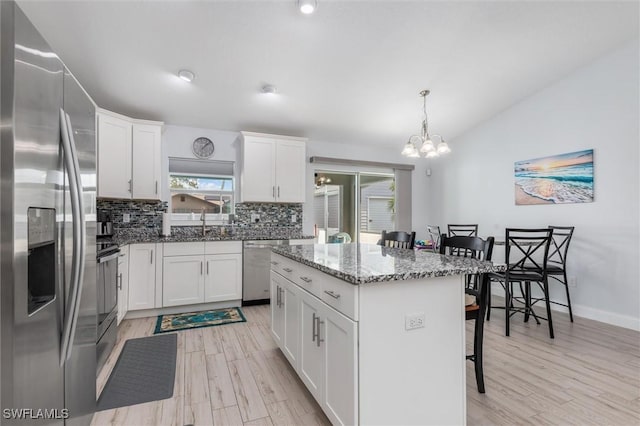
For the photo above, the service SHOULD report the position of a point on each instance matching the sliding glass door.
(353, 207)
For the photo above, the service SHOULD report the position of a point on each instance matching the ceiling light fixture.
(269, 89)
(307, 6)
(186, 75)
(427, 147)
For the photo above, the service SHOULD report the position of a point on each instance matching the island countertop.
(370, 263)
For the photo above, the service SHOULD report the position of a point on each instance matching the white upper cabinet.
(129, 157)
(273, 168)
(290, 171)
(146, 161)
(114, 165)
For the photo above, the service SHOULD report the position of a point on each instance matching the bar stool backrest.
(527, 249)
(463, 230)
(434, 236)
(560, 245)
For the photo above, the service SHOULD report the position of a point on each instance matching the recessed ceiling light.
(186, 75)
(307, 6)
(269, 89)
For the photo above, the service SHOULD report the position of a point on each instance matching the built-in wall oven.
(107, 280)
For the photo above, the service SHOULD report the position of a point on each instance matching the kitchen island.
(376, 334)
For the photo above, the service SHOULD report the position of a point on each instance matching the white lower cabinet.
(123, 283)
(223, 279)
(277, 309)
(321, 344)
(190, 276)
(183, 280)
(340, 343)
(291, 299)
(312, 354)
(142, 276)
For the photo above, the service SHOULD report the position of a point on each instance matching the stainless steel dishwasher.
(256, 269)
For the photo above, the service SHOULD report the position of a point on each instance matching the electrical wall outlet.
(255, 218)
(294, 218)
(413, 321)
(126, 217)
(573, 281)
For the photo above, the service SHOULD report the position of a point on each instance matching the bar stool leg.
(546, 298)
(507, 305)
(566, 287)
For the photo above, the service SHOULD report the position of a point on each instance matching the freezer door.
(32, 217)
(80, 368)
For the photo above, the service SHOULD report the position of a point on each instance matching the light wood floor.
(234, 375)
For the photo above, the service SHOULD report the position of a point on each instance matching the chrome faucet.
(204, 222)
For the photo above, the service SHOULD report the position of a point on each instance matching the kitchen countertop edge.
(426, 271)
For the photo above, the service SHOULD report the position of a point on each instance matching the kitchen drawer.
(299, 274)
(222, 247)
(183, 249)
(340, 295)
(283, 266)
(309, 279)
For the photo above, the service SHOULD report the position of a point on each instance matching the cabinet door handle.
(306, 279)
(287, 269)
(313, 326)
(332, 294)
(278, 191)
(318, 333)
(151, 257)
(120, 281)
(130, 185)
(278, 296)
(156, 187)
(282, 298)
(207, 268)
(273, 191)
(201, 268)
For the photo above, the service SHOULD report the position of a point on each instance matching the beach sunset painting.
(560, 179)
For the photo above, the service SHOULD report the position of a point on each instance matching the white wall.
(594, 107)
(177, 141)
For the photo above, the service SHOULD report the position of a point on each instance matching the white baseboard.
(612, 318)
(144, 313)
(588, 312)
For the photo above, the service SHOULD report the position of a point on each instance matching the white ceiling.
(351, 72)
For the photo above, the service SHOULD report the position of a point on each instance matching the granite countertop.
(369, 263)
(239, 235)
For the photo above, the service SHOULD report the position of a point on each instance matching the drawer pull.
(332, 294)
(274, 263)
(306, 279)
(288, 269)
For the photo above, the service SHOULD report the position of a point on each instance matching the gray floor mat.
(145, 371)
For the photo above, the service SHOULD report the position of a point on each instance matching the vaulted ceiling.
(351, 72)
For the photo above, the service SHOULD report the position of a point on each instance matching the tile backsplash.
(142, 214)
(147, 215)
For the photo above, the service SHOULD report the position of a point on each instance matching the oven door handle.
(109, 257)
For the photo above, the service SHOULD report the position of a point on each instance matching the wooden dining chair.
(434, 236)
(526, 255)
(463, 230)
(557, 260)
(398, 239)
(478, 287)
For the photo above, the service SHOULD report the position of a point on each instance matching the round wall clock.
(203, 147)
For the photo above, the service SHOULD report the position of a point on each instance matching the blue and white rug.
(176, 322)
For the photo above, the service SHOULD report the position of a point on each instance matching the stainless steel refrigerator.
(47, 233)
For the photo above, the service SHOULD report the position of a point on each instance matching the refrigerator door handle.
(79, 237)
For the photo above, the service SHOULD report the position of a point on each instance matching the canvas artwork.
(565, 178)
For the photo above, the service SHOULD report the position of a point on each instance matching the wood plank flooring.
(234, 375)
